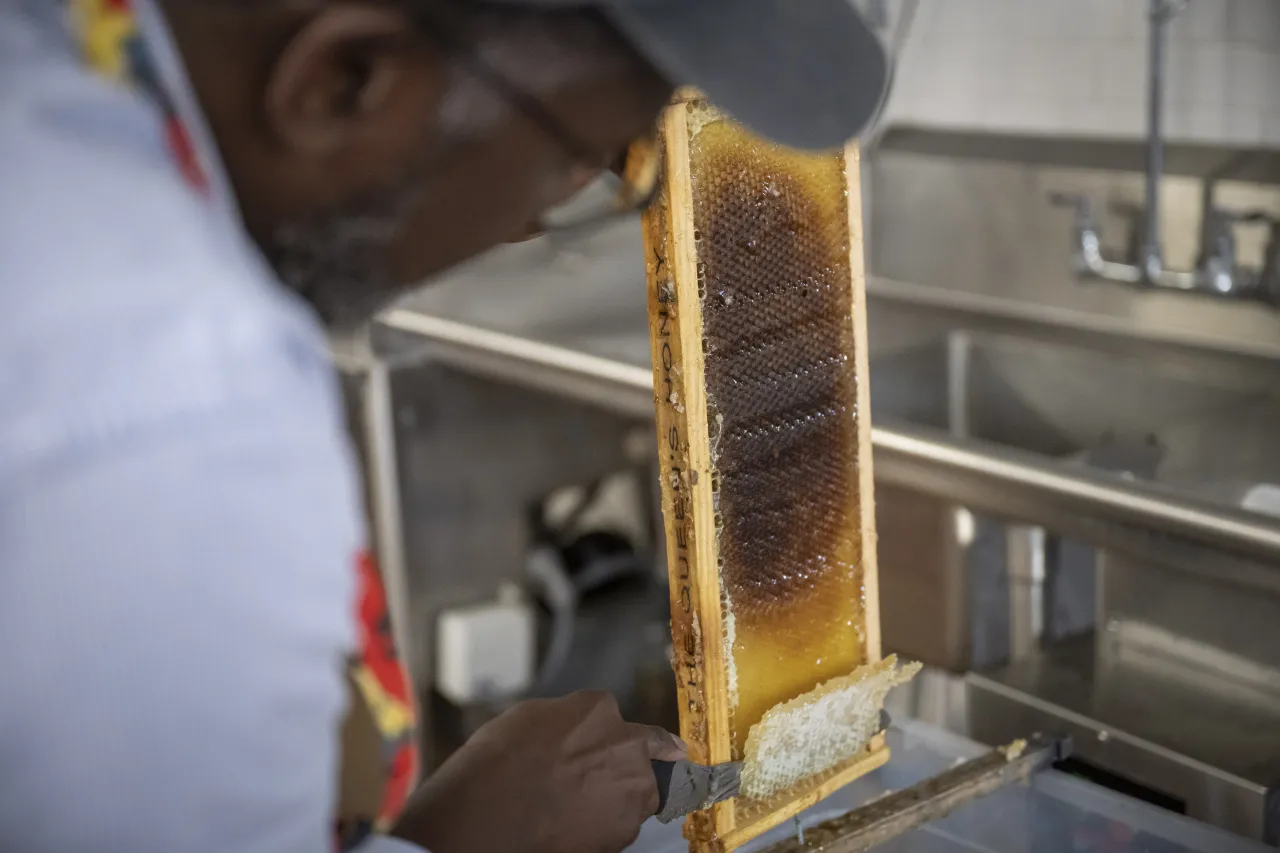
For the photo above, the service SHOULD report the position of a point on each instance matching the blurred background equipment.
(1076, 480)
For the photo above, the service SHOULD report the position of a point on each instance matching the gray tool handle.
(676, 789)
(662, 775)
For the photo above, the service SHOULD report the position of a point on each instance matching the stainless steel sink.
(963, 589)
(1122, 413)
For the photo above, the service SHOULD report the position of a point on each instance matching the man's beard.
(340, 260)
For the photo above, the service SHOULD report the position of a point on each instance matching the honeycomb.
(816, 731)
(755, 309)
(771, 232)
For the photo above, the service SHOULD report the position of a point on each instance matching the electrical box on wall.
(485, 651)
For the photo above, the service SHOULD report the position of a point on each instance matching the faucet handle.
(1081, 204)
(1269, 277)
(1086, 247)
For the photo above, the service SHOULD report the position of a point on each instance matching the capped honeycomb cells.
(815, 732)
(771, 233)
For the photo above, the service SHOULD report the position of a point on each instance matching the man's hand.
(549, 776)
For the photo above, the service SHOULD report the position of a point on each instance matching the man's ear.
(353, 76)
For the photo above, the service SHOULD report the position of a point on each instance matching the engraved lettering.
(659, 263)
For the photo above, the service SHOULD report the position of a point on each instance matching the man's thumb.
(663, 745)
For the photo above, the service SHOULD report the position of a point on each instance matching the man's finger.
(663, 745)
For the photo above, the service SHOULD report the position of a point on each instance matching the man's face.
(372, 145)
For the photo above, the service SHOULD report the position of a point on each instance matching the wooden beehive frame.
(676, 331)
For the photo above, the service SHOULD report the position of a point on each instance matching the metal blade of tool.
(685, 787)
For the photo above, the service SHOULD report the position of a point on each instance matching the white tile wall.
(1054, 66)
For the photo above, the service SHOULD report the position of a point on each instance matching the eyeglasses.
(627, 186)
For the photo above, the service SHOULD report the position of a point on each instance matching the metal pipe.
(1093, 506)
(616, 385)
(1152, 259)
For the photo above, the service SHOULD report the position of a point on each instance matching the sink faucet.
(1219, 257)
(1217, 272)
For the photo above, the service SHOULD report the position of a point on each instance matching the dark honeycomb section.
(771, 228)
(779, 368)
